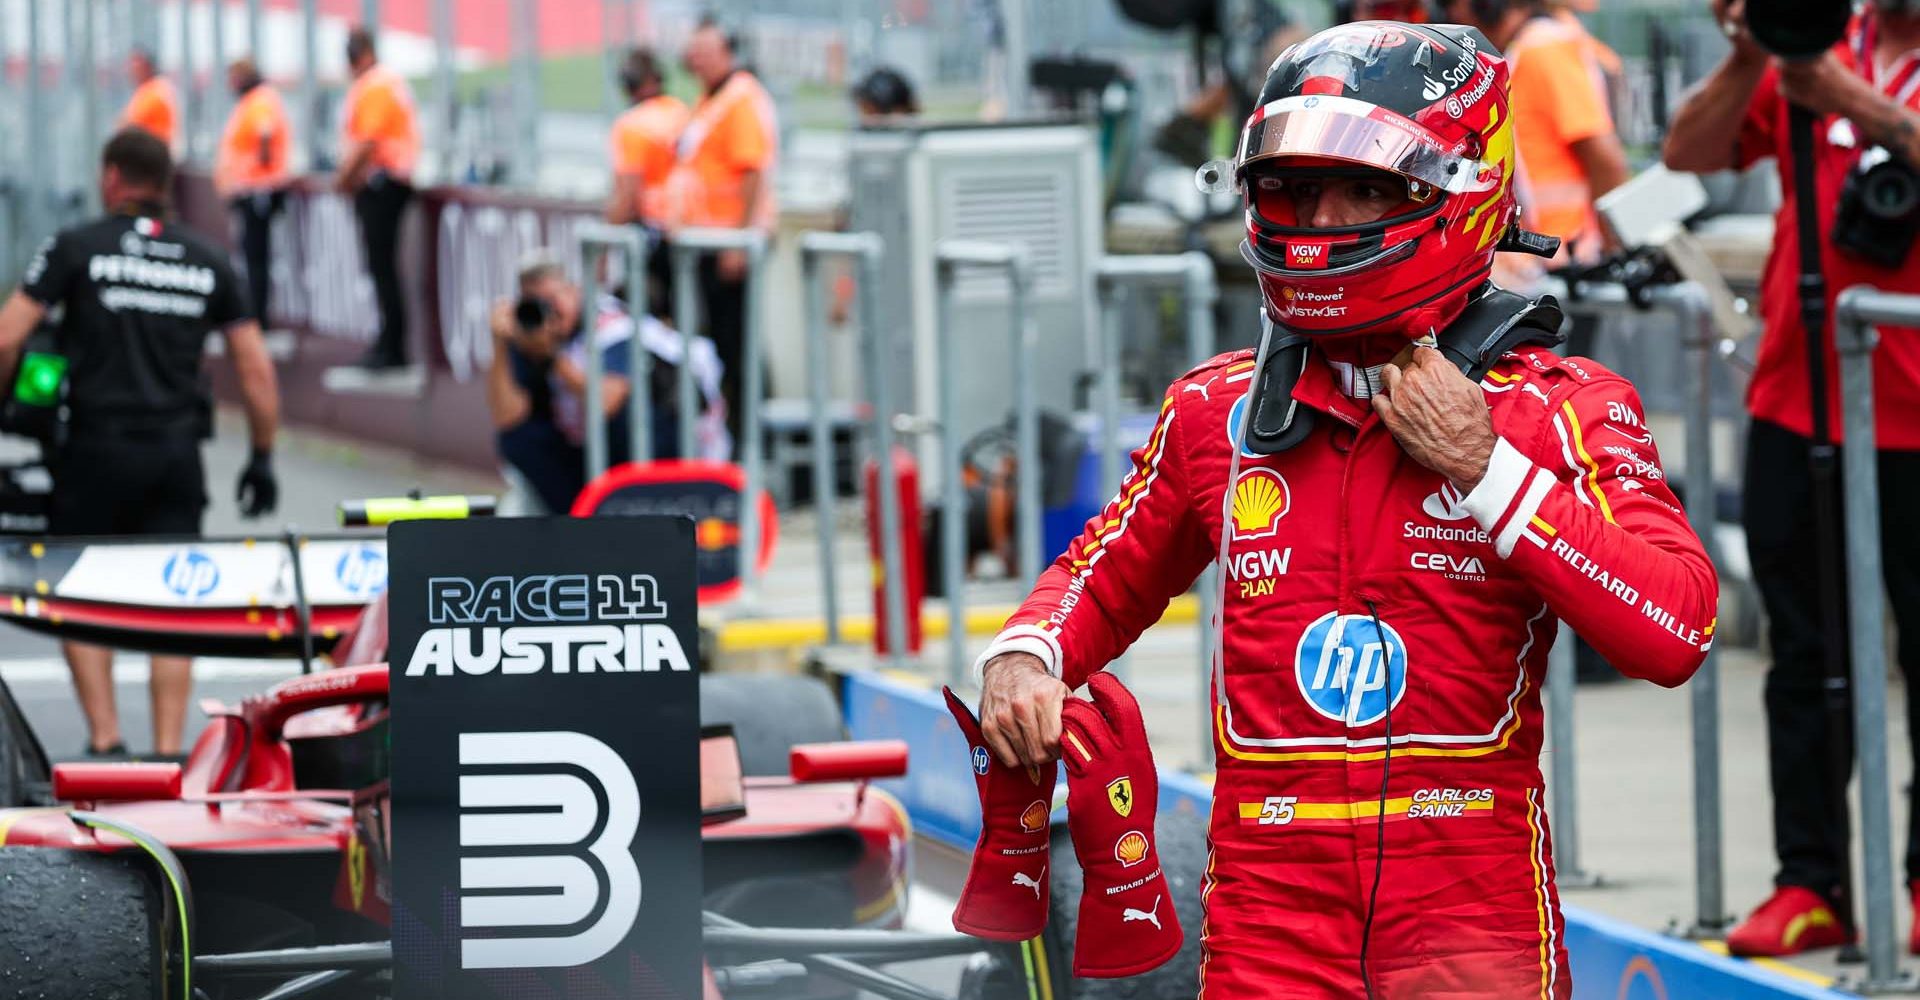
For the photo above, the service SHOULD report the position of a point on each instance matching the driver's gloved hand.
(1127, 925)
(1005, 895)
(257, 492)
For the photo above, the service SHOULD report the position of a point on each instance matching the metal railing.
(592, 242)
(865, 249)
(686, 247)
(1692, 313)
(950, 256)
(1193, 273)
(1855, 338)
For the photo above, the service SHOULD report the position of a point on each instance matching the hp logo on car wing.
(526, 861)
(190, 574)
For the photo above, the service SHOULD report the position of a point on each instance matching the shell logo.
(1130, 849)
(1260, 500)
(1033, 818)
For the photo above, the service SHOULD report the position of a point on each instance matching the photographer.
(1864, 94)
(536, 387)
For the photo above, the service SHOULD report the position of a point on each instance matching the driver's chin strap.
(1494, 322)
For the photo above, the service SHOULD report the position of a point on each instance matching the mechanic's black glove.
(257, 492)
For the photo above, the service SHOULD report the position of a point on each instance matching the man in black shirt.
(141, 293)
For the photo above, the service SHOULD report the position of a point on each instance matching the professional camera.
(531, 313)
(1795, 29)
(1879, 211)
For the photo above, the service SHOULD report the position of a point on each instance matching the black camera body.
(1797, 29)
(531, 312)
(1878, 216)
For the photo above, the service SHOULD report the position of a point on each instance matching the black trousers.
(380, 206)
(131, 481)
(1782, 548)
(723, 305)
(256, 212)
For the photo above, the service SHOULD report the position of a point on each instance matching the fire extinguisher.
(906, 484)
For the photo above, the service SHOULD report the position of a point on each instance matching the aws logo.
(1260, 499)
(545, 848)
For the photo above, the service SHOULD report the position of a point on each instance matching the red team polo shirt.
(1779, 391)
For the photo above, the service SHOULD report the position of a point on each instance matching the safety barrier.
(1118, 274)
(687, 246)
(592, 242)
(1609, 958)
(865, 250)
(1691, 311)
(1857, 313)
(949, 257)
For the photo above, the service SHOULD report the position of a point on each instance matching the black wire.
(1380, 824)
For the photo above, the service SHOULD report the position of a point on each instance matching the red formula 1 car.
(260, 866)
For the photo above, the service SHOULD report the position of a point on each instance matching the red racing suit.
(1573, 520)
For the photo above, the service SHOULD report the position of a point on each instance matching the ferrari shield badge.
(1120, 795)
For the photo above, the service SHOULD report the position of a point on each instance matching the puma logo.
(1022, 878)
(1535, 390)
(1129, 915)
(1202, 389)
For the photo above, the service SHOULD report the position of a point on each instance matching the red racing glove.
(1127, 924)
(1005, 895)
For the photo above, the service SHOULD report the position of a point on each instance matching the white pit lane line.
(131, 668)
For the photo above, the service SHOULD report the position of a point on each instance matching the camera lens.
(1889, 191)
(1796, 29)
(530, 313)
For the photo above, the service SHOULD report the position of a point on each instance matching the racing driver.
(1405, 491)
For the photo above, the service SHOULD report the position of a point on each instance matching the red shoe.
(1791, 921)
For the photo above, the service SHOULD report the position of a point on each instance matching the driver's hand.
(1020, 710)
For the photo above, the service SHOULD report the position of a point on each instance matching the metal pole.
(823, 490)
(1855, 342)
(310, 74)
(526, 90)
(446, 102)
(610, 56)
(639, 358)
(1112, 448)
(1563, 805)
(686, 316)
(1202, 293)
(593, 418)
(255, 35)
(217, 69)
(189, 104)
(1014, 14)
(953, 502)
(91, 112)
(1026, 418)
(879, 393)
(752, 390)
(1710, 916)
(71, 146)
(370, 14)
(40, 172)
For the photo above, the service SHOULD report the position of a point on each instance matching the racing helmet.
(1423, 106)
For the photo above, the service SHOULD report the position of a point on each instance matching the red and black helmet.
(1423, 105)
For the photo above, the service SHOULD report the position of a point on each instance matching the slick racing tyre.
(770, 713)
(93, 931)
(24, 772)
(1001, 971)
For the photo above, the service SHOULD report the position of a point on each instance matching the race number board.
(546, 735)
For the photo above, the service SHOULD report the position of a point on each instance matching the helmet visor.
(1341, 128)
